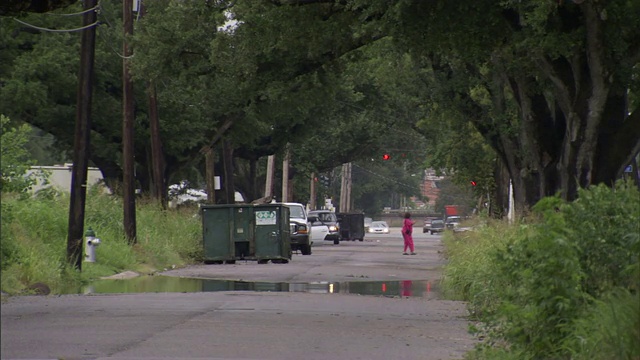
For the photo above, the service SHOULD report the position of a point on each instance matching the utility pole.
(268, 187)
(285, 175)
(82, 138)
(345, 188)
(210, 174)
(128, 182)
(349, 187)
(312, 192)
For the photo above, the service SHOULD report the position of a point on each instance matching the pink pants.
(408, 242)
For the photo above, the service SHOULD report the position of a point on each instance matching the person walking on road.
(407, 234)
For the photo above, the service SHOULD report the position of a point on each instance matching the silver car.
(379, 227)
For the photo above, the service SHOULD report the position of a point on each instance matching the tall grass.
(471, 273)
(555, 287)
(34, 239)
(609, 329)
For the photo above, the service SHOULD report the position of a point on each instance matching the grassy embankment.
(562, 284)
(34, 240)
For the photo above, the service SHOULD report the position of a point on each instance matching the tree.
(555, 76)
(39, 85)
(15, 7)
(277, 88)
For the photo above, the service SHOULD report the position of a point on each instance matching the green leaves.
(538, 288)
(15, 157)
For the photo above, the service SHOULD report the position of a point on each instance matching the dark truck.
(437, 226)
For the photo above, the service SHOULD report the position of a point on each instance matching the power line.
(57, 30)
(110, 45)
(75, 14)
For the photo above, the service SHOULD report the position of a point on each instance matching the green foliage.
(34, 240)
(15, 157)
(609, 329)
(471, 273)
(538, 288)
(455, 194)
(608, 238)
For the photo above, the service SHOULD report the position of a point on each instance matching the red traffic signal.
(473, 183)
(386, 157)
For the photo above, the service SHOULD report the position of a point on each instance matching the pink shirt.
(408, 225)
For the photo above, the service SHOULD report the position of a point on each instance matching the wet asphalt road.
(255, 325)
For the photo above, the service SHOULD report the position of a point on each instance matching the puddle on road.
(157, 284)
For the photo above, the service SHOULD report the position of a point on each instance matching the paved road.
(255, 325)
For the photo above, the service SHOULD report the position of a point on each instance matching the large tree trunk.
(571, 134)
(499, 201)
(158, 183)
(111, 172)
(619, 134)
(253, 179)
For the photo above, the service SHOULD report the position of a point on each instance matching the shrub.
(537, 287)
(15, 158)
(608, 330)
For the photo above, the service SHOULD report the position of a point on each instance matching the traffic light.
(473, 183)
(386, 157)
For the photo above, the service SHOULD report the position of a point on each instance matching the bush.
(609, 329)
(15, 157)
(532, 285)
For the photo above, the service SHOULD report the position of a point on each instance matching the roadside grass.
(561, 284)
(471, 274)
(34, 239)
(609, 329)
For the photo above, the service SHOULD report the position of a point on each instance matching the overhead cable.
(112, 48)
(75, 14)
(58, 30)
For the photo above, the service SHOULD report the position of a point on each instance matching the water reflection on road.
(155, 284)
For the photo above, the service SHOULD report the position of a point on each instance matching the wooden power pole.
(345, 188)
(285, 175)
(210, 175)
(268, 187)
(312, 192)
(82, 138)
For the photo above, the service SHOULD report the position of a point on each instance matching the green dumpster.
(245, 232)
(351, 226)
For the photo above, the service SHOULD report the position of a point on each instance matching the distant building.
(59, 177)
(430, 187)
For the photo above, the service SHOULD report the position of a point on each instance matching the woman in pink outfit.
(407, 234)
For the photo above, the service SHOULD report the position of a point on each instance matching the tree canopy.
(543, 90)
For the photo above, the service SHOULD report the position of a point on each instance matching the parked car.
(427, 224)
(452, 222)
(324, 226)
(379, 227)
(437, 226)
(300, 228)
